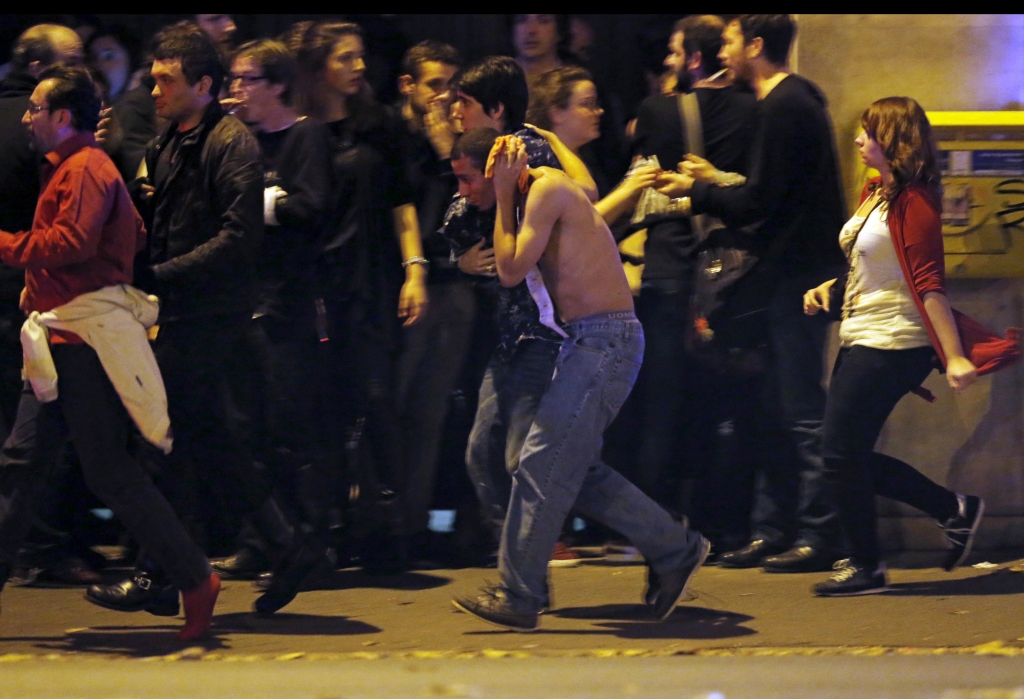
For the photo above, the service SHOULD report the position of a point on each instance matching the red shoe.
(564, 557)
(199, 605)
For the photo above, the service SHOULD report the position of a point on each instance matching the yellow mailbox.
(981, 155)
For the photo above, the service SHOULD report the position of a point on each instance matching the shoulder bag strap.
(693, 141)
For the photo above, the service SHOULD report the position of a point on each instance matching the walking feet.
(492, 605)
(141, 592)
(288, 578)
(672, 584)
(961, 528)
(199, 604)
(852, 578)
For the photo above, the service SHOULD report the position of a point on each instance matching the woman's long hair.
(902, 130)
(553, 90)
(313, 50)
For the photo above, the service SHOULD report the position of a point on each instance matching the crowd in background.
(340, 359)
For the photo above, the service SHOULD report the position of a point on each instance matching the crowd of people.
(259, 300)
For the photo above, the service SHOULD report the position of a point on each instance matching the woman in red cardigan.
(895, 320)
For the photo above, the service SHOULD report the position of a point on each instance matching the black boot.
(289, 576)
(268, 537)
(141, 592)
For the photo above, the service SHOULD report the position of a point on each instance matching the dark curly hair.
(901, 128)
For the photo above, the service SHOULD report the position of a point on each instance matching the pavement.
(933, 632)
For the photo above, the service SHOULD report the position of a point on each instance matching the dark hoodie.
(793, 183)
(19, 173)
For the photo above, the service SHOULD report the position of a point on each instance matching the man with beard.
(671, 407)
(793, 190)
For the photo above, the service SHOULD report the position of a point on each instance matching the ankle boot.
(275, 529)
(143, 591)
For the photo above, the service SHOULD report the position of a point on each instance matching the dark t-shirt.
(297, 159)
(369, 168)
(434, 185)
(728, 117)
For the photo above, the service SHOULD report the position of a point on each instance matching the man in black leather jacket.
(202, 198)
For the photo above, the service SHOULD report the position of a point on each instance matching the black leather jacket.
(205, 220)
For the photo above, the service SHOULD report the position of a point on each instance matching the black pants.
(428, 369)
(192, 355)
(91, 413)
(866, 385)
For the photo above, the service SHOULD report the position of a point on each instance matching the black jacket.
(19, 174)
(205, 221)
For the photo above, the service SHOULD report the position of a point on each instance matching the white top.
(878, 310)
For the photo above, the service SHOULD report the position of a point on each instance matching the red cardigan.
(915, 224)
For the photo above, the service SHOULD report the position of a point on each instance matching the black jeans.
(792, 501)
(866, 385)
(428, 369)
(192, 355)
(89, 411)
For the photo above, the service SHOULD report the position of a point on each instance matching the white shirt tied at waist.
(113, 321)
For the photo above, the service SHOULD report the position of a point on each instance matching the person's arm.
(623, 198)
(516, 254)
(960, 372)
(412, 301)
(922, 240)
(571, 164)
(305, 202)
(238, 205)
(74, 235)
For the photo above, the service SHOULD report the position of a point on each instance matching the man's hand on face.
(439, 128)
(509, 163)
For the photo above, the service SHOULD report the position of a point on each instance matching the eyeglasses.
(34, 109)
(247, 79)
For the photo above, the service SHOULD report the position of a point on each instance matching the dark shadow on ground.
(998, 582)
(633, 621)
(147, 641)
(356, 578)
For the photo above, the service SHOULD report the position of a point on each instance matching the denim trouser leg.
(509, 396)
(798, 345)
(560, 463)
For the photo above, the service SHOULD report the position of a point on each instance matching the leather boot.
(751, 555)
(289, 576)
(267, 538)
(141, 592)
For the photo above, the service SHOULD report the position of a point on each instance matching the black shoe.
(653, 588)
(247, 564)
(673, 584)
(288, 578)
(751, 555)
(136, 594)
(960, 529)
(800, 559)
(852, 579)
(492, 606)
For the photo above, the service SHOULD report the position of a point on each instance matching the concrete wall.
(973, 442)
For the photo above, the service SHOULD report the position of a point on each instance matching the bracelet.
(416, 260)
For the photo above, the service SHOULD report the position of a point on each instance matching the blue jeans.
(508, 400)
(560, 465)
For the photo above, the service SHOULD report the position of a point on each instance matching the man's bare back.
(562, 233)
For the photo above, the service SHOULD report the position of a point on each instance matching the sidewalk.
(597, 612)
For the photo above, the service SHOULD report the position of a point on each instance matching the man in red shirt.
(84, 237)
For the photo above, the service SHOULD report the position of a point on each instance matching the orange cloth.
(500, 147)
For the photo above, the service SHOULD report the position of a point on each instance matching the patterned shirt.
(465, 225)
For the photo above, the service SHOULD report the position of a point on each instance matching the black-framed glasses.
(247, 79)
(34, 109)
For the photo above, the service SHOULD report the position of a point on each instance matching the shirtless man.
(560, 464)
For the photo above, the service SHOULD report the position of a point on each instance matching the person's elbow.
(510, 277)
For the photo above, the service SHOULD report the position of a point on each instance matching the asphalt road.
(747, 634)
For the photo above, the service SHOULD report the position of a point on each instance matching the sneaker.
(564, 557)
(961, 528)
(852, 579)
(492, 606)
(673, 584)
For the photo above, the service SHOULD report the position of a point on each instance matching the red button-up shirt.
(85, 233)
